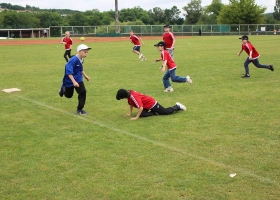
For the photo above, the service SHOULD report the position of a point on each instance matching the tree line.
(236, 12)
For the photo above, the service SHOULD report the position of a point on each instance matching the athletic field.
(231, 126)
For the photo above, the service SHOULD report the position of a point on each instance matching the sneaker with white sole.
(140, 55)
(189, 80)
(181, 106)
(169, 89)
(246, 76)
(81, 112)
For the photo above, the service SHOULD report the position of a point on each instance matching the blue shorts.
(136, 48)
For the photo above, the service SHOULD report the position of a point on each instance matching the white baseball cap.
(83, 47)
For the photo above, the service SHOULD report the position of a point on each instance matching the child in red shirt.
(168, 61)
(146, 105)
(137, 44)
(253, 56)
(67, 41)
(169, 39)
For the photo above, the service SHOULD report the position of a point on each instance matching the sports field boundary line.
(156, 143)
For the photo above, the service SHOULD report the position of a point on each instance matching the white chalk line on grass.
(233, 169)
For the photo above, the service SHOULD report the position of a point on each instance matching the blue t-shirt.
(74, 67)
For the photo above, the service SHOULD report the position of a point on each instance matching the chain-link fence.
(153, 30)
(149, 30)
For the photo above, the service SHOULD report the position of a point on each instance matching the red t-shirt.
(135, 40)
(170, 62)
(68, 41)
(249, 47)
(138, 100)
(168, 38)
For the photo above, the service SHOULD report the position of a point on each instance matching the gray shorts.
(171, 52)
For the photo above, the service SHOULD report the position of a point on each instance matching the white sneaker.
(169, 89)
(143, 59)
(189, 80)
(140, 55)
(181, 106)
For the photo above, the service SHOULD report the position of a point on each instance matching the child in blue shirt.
(73, 78)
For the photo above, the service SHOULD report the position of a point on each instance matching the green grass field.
(232, 125)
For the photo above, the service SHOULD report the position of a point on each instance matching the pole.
(117, 16)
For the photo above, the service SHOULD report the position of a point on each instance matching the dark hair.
(122, 93)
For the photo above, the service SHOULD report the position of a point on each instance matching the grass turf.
(232, 125)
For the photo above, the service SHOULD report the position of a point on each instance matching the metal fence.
(153, 30)
(146, 30)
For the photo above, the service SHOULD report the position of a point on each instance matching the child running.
(171, 71)
(253, 56)
(136, 41)
(73, 78)
(67, 41)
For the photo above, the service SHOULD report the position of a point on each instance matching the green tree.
(157, 15)
(211, 13)
(93, 17)
(193, 11)
(145, 18)
(107, 19)
(269, 19)
(110, 13)
(1, 19)
(17, 7)
(35, 8)
(11, 7)
(10, 19)
(28, 7)
(78, 19)
(215, 7)
(276, 13)
(6, 5)
(48, 19)
(27, 20)
(127, 14)
(132, 14)
(207, 18)
(172, 16)
(241, 12)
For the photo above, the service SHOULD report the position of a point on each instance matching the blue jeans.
(255, 62)
(174, 78)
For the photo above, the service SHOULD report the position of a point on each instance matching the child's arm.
(86, 77)
(240, 52)
(157, 60)
(73, 80)
(130, 110)
(71, 44)
(173, 43)
(142, 41)
(250, 55)
(163, 65)
(138, 114)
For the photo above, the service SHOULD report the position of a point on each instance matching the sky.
(106, 5)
